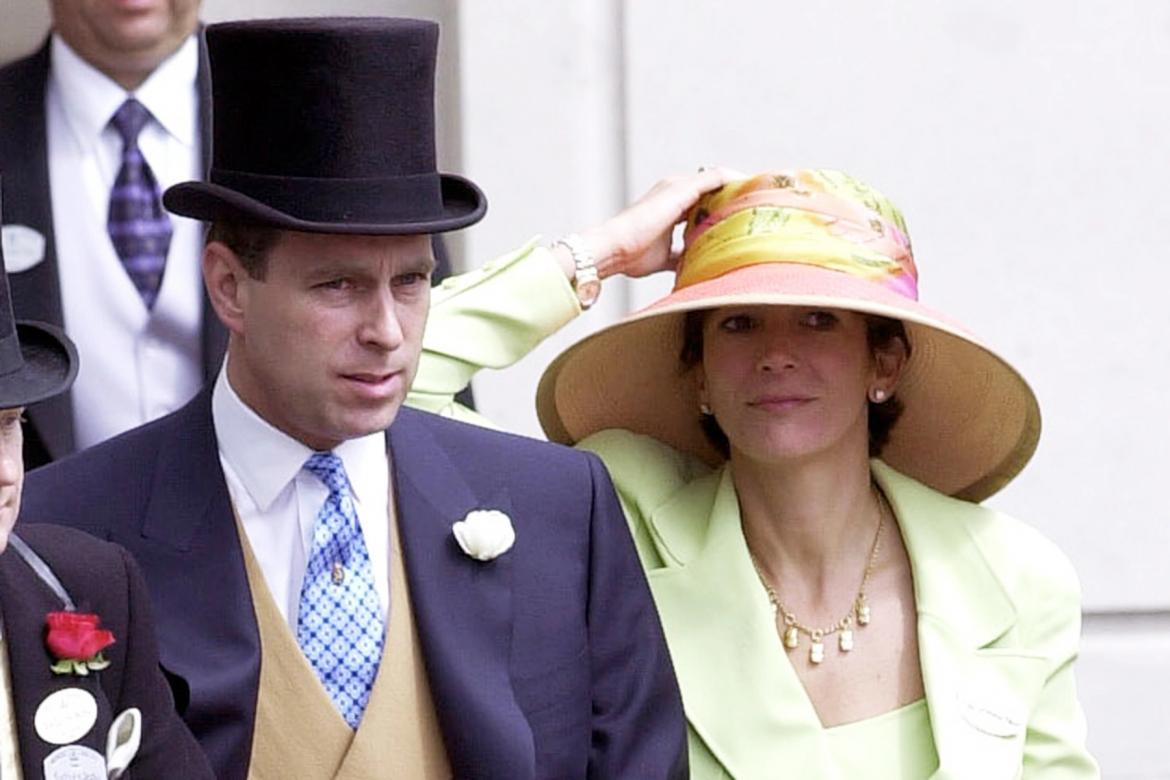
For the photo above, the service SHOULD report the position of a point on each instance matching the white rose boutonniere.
(484, 534)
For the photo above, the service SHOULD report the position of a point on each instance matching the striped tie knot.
(129, 120)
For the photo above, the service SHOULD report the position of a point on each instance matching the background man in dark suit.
(306, 540)
(53, 722)
(145, 332)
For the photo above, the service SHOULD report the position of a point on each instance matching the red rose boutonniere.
(76, 642)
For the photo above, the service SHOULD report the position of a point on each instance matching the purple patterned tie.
(138, 226)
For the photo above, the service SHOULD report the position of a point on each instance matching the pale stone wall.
(1025, 143)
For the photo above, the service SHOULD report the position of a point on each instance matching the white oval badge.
(23, 246)
(66, 716)
(122, 742)
(75, 762)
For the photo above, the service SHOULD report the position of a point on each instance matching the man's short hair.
(250, 243)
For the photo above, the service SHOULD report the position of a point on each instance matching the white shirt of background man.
(136, 365)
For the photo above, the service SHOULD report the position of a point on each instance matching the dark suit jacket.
(102, 579)
(36, 293)
(545, 662)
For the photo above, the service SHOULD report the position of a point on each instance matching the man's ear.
(226, 282)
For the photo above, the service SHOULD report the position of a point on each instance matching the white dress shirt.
(278, 501)
(136, 364)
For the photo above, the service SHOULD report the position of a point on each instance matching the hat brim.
(970, 424)
(50, 366)
(463, 204)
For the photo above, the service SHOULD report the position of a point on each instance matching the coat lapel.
(24, 603)
(188, 526)
(462, 607)
(975, 692)
(739, 704)
(24, 157)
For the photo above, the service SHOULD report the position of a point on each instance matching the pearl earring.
(705, 408)
(877, 395)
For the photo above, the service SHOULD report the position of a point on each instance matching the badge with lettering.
(75, 762)
(66, 716)
(23, 246)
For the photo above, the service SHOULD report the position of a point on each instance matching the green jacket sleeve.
(488, 318)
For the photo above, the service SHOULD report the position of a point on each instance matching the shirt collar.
(90, 97)
(266, 459)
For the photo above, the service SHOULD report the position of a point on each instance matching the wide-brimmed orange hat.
(803, 238)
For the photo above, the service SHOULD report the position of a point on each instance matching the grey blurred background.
(1025, 142)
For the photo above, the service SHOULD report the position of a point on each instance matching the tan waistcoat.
(300, 734)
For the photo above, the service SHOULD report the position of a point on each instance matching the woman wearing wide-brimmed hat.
(81, 690)
(798, 445)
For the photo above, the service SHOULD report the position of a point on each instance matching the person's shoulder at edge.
(647, 474)
(488, 444)
(91, 477)
(644, 470)
(74, 551)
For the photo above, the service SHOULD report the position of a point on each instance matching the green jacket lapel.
(974, 690)
(738, 690)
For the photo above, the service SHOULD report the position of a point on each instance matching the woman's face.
(11, 471)
(787, 382)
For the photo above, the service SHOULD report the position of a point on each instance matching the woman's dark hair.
(879, 332)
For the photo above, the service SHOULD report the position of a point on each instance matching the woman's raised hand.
(638, 240)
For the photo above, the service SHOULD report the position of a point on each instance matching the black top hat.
(37, 361)
(326, 126)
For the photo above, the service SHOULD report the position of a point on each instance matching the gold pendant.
(338, 573)
(791, 638)
(816, 653)
(862, 611)
(845, 641)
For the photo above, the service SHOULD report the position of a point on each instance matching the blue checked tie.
(339, 624)
(138, 226)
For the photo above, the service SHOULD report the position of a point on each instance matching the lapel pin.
(75, 762)
(484, 534)
(24, 247)
(65, 716)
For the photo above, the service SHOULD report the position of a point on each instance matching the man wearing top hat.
(81, 693)
(347, 588)
(113, 107)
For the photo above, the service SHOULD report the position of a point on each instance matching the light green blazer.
(998, 627)
(998, 605)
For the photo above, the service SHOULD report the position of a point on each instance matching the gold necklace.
(859, 613)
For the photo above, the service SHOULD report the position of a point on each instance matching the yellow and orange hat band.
(810, 217)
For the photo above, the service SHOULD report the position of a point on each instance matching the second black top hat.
(326, 125)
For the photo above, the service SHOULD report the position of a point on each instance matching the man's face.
(124, 36)
(11, 471)
(326, 345)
